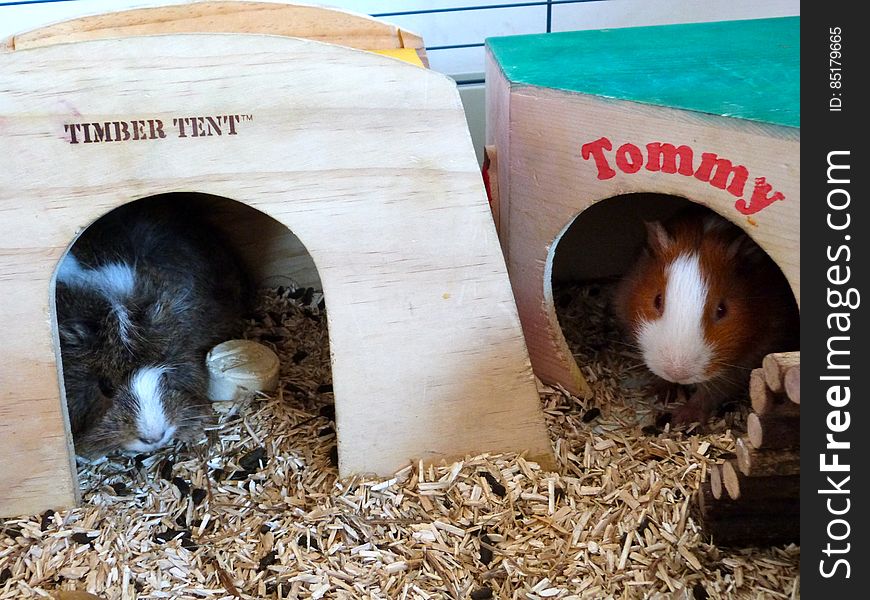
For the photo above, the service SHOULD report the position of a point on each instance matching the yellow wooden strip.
(409, 55)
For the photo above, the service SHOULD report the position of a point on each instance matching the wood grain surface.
(291, 20)
(545, 183)
(371, 167)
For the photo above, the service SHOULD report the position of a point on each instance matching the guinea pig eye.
(658, 303)
(721, 310)
(106, 387)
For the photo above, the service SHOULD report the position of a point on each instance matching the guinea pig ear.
(76, 333)
(657, 237)
(744, 249)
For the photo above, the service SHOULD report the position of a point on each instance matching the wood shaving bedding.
(258, 511)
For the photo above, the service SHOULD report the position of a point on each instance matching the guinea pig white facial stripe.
(674, 346)
(70, 271)
(147, 389)
(114, 280)
(126, 328)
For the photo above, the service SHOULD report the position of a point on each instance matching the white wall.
(446, 24)
(454, 30)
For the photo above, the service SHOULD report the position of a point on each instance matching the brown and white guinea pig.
(144, 294)
(704, 304)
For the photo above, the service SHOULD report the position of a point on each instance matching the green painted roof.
(744, 69)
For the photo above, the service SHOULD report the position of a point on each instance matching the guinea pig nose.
(678, 372)
(152, 439)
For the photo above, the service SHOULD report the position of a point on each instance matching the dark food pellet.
(485, 553)
(591, 414)
(333, 456)
(299, 356)
(184, 534)
(198, 495)
(188, 544)
(292, 387)
(264, 529)
(324, 388)
(166, 469)
(483, 593)
(119, 488)
(182, 486)
(166, 536)
(651, 430)
(81, 538)
(327, 411)
(197, 523)
(643, 526)
(239, 475)
(253, 460)
(272, 588)
(267, 560)
(497, 488)
(308, 542)
(5, 575)
(325, 432)
(699, 592)
(46, 520)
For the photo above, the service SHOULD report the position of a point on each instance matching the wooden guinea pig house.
(634, 123)
(366, 159)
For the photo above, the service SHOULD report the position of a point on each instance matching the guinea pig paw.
(91, 460)
(692, 411)
(666, 391)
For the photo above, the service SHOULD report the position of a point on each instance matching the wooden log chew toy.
(739, 523)
(773, 431)
(776, 366)
(753, 498)
(765, 401)
(793, 384)
(428, 356)
(716, 481)
(765, 462)
(579, 118)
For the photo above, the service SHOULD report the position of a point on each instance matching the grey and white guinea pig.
(144, 294)
(704, 304)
